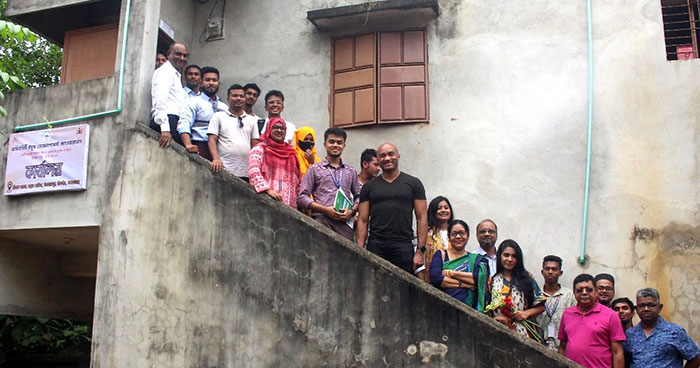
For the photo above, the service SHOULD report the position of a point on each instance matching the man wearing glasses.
(590, 334)
(605, 287)
(232, 133)
(274, 105)
(195, 115)
(654, 342)
(487, 235)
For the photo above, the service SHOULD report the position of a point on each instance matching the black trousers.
(397, 252)
(172, 120)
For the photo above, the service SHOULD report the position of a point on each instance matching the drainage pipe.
(122, 63)
(582, 259)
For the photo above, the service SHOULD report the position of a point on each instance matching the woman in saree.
(459, 273)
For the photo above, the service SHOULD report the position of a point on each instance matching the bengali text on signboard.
(47, 160)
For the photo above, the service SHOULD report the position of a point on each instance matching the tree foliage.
(26, 60)
(22, 336)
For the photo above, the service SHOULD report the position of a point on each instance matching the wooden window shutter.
(403, 77)
(354, 80)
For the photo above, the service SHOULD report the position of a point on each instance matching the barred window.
(681, 19)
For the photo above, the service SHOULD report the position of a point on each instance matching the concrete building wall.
(508, 131)
(506, 140)
(216, 275)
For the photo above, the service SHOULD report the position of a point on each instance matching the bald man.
(388, 203)
(167, 94)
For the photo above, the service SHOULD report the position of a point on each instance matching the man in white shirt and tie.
(167, 94)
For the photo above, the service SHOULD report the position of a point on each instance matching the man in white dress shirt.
(167, 94)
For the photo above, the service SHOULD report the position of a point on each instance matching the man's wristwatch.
(422, 249)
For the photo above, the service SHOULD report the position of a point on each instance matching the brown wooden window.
(681, 20)
(380, 77)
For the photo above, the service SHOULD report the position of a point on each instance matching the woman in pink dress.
(273, 166)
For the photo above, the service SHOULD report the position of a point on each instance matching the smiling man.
(193, 80)
(196, 114)
(232, 134)
(605, 287)
(487, 235)
(388, 204)
(274, 105)
(322, 182)
(591, 334)
(654, 342)
(167, 95)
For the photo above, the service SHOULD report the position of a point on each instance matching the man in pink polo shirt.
(591, 334)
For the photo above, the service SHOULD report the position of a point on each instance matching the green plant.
(21, 336)
(25, 58)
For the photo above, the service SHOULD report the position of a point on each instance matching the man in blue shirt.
(195, 115)
(656, 343)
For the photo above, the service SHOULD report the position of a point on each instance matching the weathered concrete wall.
(179, 14)
(71, 209)
(506, 140)
(196, 269)
(508, 129)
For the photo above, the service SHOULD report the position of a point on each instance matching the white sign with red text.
(48, 160)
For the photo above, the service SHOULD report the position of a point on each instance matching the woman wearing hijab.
(305, 147)
(273, 166)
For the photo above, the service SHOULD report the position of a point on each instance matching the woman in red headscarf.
(273, 166)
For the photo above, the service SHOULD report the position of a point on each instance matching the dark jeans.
(397, 252)
(172, 119)
(203, 148)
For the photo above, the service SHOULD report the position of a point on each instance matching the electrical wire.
(203, 35)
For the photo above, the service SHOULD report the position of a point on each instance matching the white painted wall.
(508, 130)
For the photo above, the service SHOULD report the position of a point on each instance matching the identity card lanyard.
(550, 313)
(338, 181)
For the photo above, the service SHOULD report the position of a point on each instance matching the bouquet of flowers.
(505, 305)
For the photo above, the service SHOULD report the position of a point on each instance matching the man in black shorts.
(388, 203)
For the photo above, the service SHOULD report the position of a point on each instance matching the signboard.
(167, 29)
(48, 160)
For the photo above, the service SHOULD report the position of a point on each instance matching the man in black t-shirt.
(388, 202)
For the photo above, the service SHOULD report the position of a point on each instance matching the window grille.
(681, 19)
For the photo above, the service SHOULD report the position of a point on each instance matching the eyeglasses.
(454, 234)
(278, 127)
(487, 231)
(587, 290)
(275, 102)
(604, 288)
(646, 306)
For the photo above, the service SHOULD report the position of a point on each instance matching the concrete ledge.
(199, 270)
(390, 14)
(50, 103)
